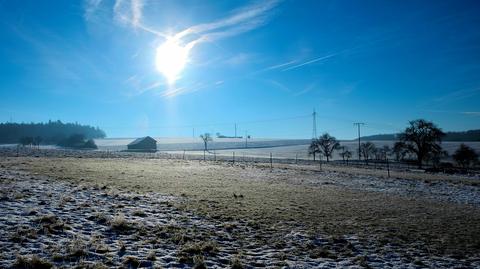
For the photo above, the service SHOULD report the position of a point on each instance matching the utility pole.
(314, 130)
(358, 124)
(235, 130)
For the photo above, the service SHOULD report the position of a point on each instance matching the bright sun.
(171, 59)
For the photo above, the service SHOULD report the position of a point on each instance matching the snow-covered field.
(280, 148)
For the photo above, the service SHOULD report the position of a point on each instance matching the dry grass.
(121, 225)
(131, 262)
(27, 262)
(235, 263)
(279, 198)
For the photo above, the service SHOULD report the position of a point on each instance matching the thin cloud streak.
(247, 18)
(169, 93)
(277, 66)
(278, 85)
(307, 89)
(310, 62)
(467, 113)
(131, 13)
(457, 95)
(471, 113)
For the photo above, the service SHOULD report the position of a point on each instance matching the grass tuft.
(120, 224)
(131, 262)
(24, 262)
(235, 263)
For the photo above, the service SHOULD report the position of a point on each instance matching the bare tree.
(37, 140)
(400, 151)
(26, 141)
(423, 139)
(346, 154)
(314, 148)
(367, 150)
(383, 152)
(327, 145)
(206, 137)
(465, 156)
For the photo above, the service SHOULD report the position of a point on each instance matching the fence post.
(203, 155)
(271, 161)
(388, 168)
(214, 155)
(234, 157)
(296, 158)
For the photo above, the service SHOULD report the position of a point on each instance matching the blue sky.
(264, 65)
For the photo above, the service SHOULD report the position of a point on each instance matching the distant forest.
(52, 132)
(471, 135)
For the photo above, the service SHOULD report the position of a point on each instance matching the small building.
(143, 144)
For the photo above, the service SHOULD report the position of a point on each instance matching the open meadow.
(102, 212)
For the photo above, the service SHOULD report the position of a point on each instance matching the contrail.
(310, 62)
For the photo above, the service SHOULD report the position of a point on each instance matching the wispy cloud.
(467, 113)
(137, 7)
(128, 12)
(172, 92)
(307, 89)
(278, 85)
(244, 19)
(277, 66)
(310, 62)
(91, 6)
(471, 113)
(457, 95)
(239, 59)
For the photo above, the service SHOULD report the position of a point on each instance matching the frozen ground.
(182, 214)
(71, 225)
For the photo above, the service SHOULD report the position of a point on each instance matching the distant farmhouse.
(143, 144)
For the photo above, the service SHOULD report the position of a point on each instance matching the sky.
(181, 68)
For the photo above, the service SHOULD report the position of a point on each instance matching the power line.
(212, 124)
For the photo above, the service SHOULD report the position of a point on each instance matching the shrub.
(78, 141)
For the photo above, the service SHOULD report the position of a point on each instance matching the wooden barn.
(143, 144)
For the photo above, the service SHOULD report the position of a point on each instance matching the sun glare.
(171, 59)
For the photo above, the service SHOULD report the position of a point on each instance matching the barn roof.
(139, 140)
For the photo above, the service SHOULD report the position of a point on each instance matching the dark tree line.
(52, 132)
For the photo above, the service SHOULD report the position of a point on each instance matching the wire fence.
(269, 159)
